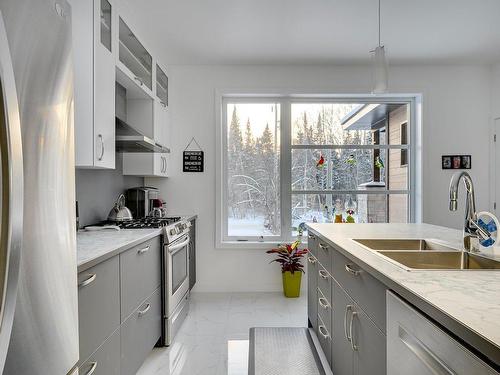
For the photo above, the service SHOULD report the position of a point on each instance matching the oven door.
(177, 274)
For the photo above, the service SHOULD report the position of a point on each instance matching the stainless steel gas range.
(175, 278)
(174, 268)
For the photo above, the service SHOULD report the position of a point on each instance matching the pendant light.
(379, 64)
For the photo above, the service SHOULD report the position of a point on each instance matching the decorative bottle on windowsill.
(350, 209)
(338, 211)
(289, 256)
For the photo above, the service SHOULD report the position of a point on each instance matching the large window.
(286, 161)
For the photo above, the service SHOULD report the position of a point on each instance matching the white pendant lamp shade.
(379, 70)
(380, 66)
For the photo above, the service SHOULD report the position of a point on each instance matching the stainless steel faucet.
(472, 231)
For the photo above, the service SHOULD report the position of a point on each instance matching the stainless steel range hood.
(129, 139)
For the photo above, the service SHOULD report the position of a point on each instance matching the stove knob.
(172, 232)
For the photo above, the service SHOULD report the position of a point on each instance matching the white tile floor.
(214, 338)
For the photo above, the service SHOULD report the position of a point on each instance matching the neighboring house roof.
(368, 116)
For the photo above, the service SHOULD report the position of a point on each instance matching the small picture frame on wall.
(446, 162)
(456, 162)
(466, 161)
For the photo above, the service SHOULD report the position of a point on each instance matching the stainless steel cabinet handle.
(322, 330)
(323, 274)
(324, 303)
(311, 237)
(162, 164)
(352, 271)
(88, 280)
(165, 165)
(139, 80)
(311, 260)
(143, 250)
(354, 347)
(145, 310)
(93, 366)
(348, 308)
(430, 360)
(323, 247)
(102, 147)
(163, 103)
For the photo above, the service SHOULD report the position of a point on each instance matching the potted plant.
(289, 256)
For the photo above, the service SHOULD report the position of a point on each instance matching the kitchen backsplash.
(97, 190)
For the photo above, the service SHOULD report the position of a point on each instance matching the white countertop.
(469, 297)
(96, 246)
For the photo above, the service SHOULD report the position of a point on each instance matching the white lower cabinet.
(416, 346)
(146, 164)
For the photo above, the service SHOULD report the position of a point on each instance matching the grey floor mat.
(282, 351)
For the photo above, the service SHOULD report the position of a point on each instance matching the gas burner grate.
(144, 223)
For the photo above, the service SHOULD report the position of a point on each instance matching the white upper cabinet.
(162, 114)
(134, 59)
(154, 164)
(94, 27)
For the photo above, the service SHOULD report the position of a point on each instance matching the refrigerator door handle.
(11, 195)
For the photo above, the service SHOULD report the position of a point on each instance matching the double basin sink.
(425, 254)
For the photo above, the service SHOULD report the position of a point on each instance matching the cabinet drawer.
(325, 340)
(324, 254)
(367, 291)
(140, 269)
(106, 360)
(416, 346)
(324, 307)
(325, 282)
(139, 333)
(98, 305)
(312, 244)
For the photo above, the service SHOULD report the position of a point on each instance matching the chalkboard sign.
(193, 161)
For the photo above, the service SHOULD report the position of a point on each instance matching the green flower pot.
(291, 284)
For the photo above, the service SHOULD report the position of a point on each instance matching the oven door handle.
(174, 249)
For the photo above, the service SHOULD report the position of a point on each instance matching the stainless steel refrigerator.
(37, 151)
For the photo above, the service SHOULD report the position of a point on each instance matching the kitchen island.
(466, 303)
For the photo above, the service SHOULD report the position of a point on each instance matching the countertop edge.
(85, 265)
(478, 344)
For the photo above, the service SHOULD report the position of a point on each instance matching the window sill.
(253, 245)
(247, 245)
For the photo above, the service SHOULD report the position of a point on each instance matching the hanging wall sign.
(193, 160)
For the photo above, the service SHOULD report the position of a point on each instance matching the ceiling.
(319, 31)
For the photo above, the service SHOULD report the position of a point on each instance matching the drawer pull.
(348, 308)
(143, 250)
(424, 354)
(139, 80)
(324, 303)
(88, 280)
(146, 309)
(323, 274)
(323, 247)
(93, 366)
(322, 330)
(354, 347)
(351, 270)
(311, 260)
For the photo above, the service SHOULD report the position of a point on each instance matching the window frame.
(286, 99)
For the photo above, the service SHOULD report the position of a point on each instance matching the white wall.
(456, 105)
(495, 91)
